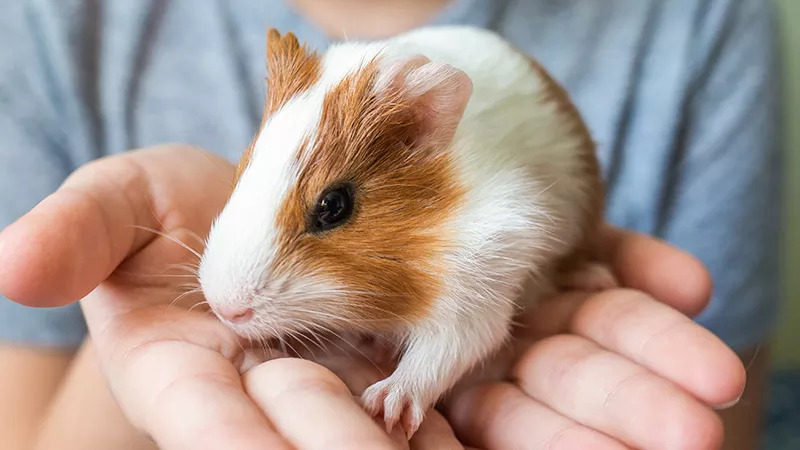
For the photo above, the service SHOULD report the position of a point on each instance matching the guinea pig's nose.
(235, 314)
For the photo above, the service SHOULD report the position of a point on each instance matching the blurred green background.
(787, 347)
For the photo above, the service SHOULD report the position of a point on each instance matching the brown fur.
(394, 244)
(291, 69)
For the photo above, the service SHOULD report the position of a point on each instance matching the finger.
(189, 397)
(357, 371)
(609, 393)
(176, 374)
(73, 240)
(500, 416)
(650, 333)
(550, 317)
(435, 434)
(312, 407)
(665, 272)
(665, 341)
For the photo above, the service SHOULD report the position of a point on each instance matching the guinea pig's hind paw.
(388, 399)
(378, 349)
(588, 277)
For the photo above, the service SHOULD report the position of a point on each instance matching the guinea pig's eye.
(334, 207)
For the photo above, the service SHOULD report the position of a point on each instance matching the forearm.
(84, 414)
(28, 381)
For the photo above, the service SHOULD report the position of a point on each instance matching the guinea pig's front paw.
(395, 401)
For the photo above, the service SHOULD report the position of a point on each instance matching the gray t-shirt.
(680, 96)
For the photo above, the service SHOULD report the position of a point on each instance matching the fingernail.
(728, 405)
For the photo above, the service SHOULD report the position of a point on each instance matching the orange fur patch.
(291, 69)
(391, 251)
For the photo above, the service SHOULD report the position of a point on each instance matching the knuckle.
(179, 389)
(552, 361)
(615, 303)
(625, 297)
(554, 345)
(506, 407)
(569, 436)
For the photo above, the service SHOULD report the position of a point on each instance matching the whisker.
(296, 337)
(228, 183)
(178, 298)
(189, 286)
(196, 237)
(188, 275)
(354, 348)
(198, 304)
(338, 336)
(286, 343)
(312, 334)
(192, 267)
(170, 237)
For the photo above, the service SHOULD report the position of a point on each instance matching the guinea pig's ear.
(292, 67)
(438, 93)
(281, 47)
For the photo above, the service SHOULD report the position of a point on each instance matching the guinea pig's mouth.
(290, 337)
(253, 326)
(259, 326)
(306, 308)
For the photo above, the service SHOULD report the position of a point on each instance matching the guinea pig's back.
(515, 105)
(518, 120)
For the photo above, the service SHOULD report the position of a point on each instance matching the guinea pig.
(406, 188)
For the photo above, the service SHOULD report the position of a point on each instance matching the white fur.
(515, 220)
(241, 244)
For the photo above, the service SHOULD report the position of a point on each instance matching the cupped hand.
(624, 368)
(108, 236)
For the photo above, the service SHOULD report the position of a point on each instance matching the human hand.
(174, 370)
(617, 369)
(85, 242)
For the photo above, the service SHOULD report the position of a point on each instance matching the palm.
(132, 220)
(585, 363)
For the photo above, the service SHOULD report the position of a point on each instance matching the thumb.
(74, 239)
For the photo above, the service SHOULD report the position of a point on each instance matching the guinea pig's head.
(343, 206)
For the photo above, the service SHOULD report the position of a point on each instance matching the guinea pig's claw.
(396, 405)
(412, 419)
(372, 401)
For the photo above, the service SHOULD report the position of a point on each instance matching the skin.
(28, 380)
(83, 415)
(367, 19)
(590, 367)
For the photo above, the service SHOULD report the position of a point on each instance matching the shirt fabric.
(680, 96)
